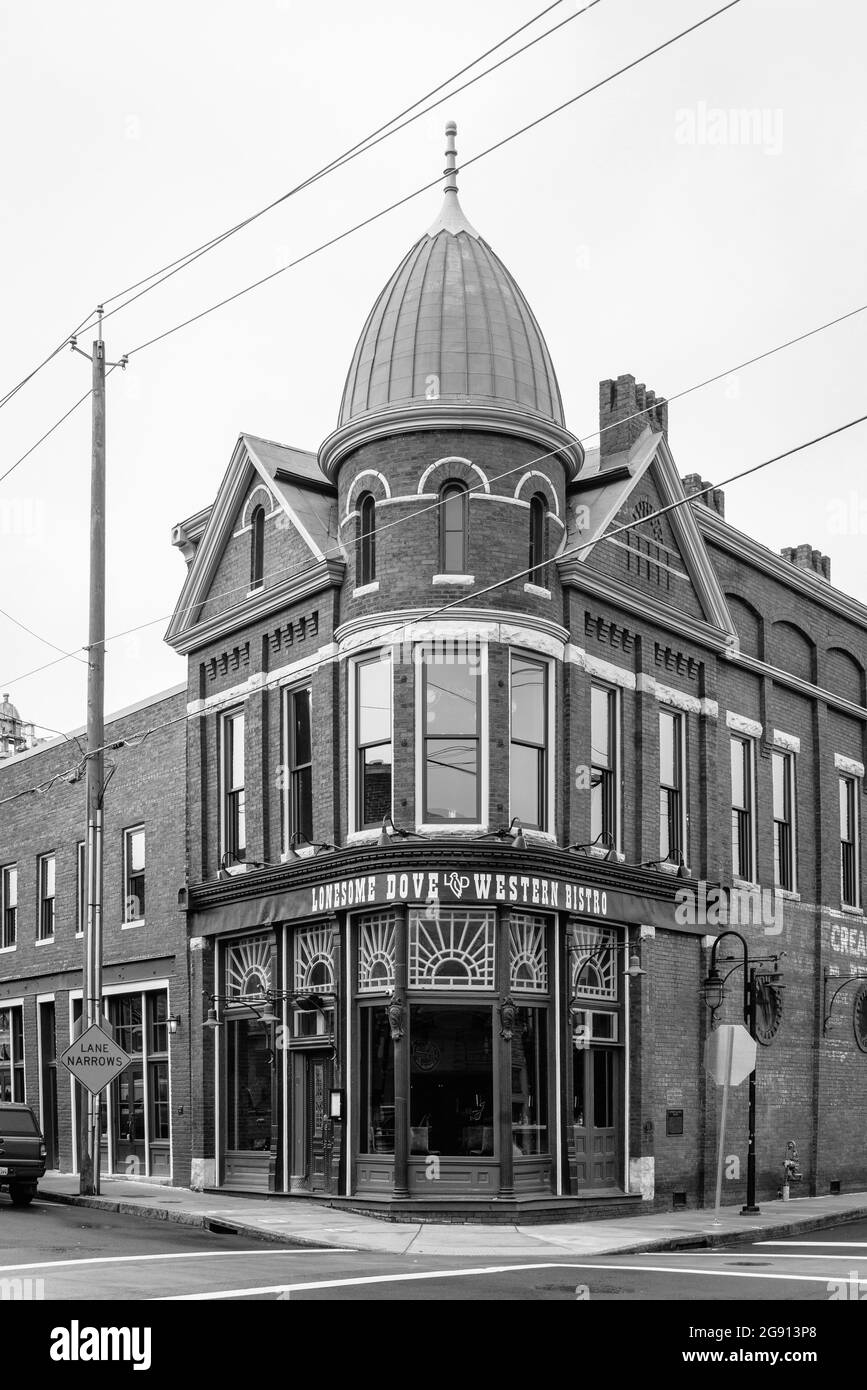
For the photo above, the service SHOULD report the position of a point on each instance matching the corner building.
(444, 830)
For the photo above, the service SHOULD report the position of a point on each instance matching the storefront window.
(530, 1082)
(11, 1055)
(248, 1084)
(377, 1083)
(451, 1081)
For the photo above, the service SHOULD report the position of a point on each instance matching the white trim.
(453, 458)
(466, 581)
(678, 699)
(366, 473)
(538, 590)
(741, 724)
(788, 743)
(785, 748)
(372, 588)
(484, 622)
(370, 654)
(535, 473)
(848, 765)
(272, 508)
(44, 941)
(605, 670)
(450, 827)
(4, 950)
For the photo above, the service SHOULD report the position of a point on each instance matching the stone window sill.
(852, 911)
(538, 590)
(464, 580)
(366, 589)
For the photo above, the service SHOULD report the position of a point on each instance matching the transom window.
(248, 969)
(376, 946)
(456, 951)
(8, 906)
(314, 959)
(783, 772)
(593, 961)
(451, 721)
(528, 964)
(373, 750)
(528, 759)
(454, 540)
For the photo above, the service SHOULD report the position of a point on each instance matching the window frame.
(421, 737)
(787, 758)
(538, 541)
(675, 792)
(613, 773)
(17, 1060)
(8, 938)
(459, 488)
(291, 819)
(42, 899)
(128, 876)
(853, 784)
(231, 814)
(365, 538)
(750, 809)
(358, 826)
(80, 887)
(546, 791)
(257, 548)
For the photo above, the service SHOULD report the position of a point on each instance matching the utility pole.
(88, 1105)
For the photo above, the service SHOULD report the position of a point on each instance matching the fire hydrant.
(791, 1170)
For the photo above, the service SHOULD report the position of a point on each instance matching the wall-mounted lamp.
(174, 1022)
(603, 847)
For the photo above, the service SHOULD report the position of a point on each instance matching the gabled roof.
(307, 499)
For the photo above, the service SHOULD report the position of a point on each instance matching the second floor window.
(743, 808)
(528, 756)
(46, 870)
(849, 846)
(783, 773)
(257, 548)
(80, 888)
(373, 754)
(234, 827)
(538, 540)
(451, 722)
(454, 506)
(603, 764)
(299, 763)
(365, 551)
(670, 784)
(8, 906)
(134, 874)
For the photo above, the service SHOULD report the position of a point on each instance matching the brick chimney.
(715, 499)
(804, 557)
(626, 408)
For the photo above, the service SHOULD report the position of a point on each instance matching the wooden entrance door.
(596, 1115)
(319, 1128)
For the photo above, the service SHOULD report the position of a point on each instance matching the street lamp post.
(713, 992)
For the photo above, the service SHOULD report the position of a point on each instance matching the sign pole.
(722, 1127)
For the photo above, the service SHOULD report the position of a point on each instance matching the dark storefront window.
(12, 1055)
(377, 1083)
(373, 754)
(451, 1081)
(530, 1082)
(248, 1082)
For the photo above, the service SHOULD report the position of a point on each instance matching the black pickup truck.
(22, 1152)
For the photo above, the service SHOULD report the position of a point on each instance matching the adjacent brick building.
(487, 738)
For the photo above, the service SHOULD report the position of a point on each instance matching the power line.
(409, 197)
(44, 363)
(338, 550)
(142, 734)
(39, 638)
(42, 438)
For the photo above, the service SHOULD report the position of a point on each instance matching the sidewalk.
(296, 1221)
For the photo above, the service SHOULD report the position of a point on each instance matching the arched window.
(538, 535)
(365, 550)
(257, 548)
(453, 529)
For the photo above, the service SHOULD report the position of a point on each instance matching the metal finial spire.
(451, 218)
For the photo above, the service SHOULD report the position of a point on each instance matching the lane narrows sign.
(95, 1059)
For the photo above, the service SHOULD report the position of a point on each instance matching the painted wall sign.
(849, 941)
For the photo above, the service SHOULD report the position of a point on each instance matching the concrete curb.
(701, 1240)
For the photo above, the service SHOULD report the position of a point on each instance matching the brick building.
(474, 778)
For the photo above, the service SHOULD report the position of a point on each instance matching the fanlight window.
(455, 951)
(248, 969)
(314, 959)
(528, 966)
(376, 943)
(594, 976)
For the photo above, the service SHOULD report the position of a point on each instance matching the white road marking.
(491, 1269)
(842, 1244)
(176, 1255)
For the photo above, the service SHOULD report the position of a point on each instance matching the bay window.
(451, 718)
(528, 748)
(373, 745)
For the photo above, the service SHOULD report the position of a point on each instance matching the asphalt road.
(81, 1254)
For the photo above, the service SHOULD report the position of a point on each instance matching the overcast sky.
(656, 228)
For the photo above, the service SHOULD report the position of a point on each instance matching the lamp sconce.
(676, 867)
(174, 1022)
(391, 832)
(512, 834)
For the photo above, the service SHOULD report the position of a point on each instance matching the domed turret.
(451, 340)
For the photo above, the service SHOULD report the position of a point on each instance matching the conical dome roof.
(451, 330)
